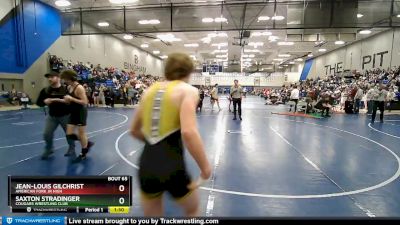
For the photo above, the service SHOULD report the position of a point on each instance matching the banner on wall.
(368, 61)
(135, 65)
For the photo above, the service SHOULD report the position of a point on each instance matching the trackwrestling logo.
(33, 220)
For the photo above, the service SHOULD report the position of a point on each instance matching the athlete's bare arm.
(190, 134)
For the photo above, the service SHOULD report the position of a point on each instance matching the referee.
(236, 94)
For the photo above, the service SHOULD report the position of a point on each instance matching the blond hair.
(178, 66)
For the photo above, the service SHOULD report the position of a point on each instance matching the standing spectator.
(101, 95)
(124, 93)
(370, 102)
(201, 98)
(133, 94)
(343, 98)
(109, 97)
(391, 96)
(89, 95)
(294, 96)
(96, 97)
(357, 99)
(379, 98)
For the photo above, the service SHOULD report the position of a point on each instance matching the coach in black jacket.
(53, 97)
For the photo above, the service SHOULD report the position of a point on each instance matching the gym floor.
(266, 165)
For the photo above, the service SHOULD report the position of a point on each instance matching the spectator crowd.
(106, 86)
(342, 92)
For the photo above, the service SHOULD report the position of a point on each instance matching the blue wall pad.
(306, 69)
(26, 33)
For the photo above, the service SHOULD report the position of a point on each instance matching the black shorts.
(162, 168)
(154, 186)
(78, 117)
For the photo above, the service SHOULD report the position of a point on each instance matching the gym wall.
(379, 51)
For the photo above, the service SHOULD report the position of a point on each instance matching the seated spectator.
(24, 101)
(13, 97)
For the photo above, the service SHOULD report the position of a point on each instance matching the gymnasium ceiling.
(307, 25)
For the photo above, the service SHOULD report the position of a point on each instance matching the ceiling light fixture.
(207, 20)
(263, 18)
(221, 56)
(156, 52)
(359, 15)
(310, 55)
(322, 50)
(220, 19)
(164, 57)
(122, 1)
(252, 50)
(278, 18)
(365, 31)
(103, 24)
(128, 37)
(278, 59)
(339, 42)
(193, 45)
(256, 44)
(213, 35)
(220, 51)
(299, 60)
(144, 46)
(223, 44)
(152, 22)
(284, 55)
(62, 3)
(273, 38)
(398, 15)
(206, 40)
(285, 43)
(258, 34)
(168, 37)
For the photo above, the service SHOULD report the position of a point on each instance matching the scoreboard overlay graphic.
(89, 194)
